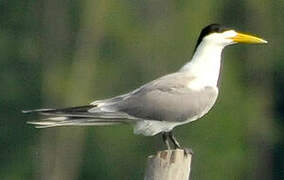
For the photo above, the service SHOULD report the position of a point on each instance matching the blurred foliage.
(60, 53)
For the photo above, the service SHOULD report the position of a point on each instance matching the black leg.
(177, 145)
(174, 140)
(166, 140)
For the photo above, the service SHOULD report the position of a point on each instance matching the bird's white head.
(205, 63)
(218, 35)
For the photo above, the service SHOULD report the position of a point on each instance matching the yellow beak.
(245, 38)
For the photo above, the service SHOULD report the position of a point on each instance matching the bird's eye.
(222, 29)
(218, 29)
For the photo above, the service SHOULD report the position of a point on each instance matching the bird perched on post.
(162, 104)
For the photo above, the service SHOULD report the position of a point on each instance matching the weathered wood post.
(168, 165)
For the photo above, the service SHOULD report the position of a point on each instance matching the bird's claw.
(187, 151)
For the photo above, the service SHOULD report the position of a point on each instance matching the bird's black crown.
(212, 28)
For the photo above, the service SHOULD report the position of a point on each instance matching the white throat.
(205, 63)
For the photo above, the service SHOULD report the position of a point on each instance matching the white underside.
(151, 128)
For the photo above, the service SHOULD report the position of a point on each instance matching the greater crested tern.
(162, 104)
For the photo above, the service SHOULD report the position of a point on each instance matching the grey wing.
(168, 99)
(164, 99)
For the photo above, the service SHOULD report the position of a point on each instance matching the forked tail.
(78, 116)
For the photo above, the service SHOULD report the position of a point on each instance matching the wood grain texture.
(168, 165)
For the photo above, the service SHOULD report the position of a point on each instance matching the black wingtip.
(35, 111)
(69, 109)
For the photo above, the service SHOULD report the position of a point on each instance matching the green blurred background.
(57, 53)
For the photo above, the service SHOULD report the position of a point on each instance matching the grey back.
(168, 99)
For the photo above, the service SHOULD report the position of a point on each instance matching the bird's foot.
(188, 151)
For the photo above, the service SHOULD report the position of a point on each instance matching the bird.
(160, 105)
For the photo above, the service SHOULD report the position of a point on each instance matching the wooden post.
(168, 165)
